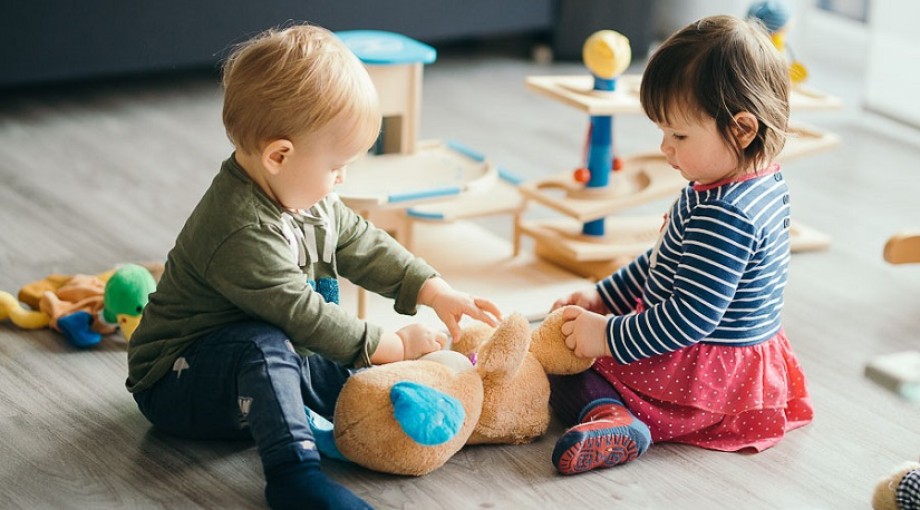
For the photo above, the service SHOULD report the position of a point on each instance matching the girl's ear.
(745, 128)
(275, 153)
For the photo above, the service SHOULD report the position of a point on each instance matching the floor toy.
(411, 417)
(82, 307)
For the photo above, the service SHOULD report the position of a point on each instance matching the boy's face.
(316, 163)
(695, 148)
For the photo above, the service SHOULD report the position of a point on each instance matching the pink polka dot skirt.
(716, 397)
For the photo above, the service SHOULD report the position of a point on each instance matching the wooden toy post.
(607, 55)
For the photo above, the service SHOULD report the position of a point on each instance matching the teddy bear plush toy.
(411, 417)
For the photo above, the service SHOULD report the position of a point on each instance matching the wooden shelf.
(578, 91)
(646, 177)
(805, 140)
(643, 178)
(561, 242)
(437, 171)
(503, 198)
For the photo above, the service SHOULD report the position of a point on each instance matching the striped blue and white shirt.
(716, 276)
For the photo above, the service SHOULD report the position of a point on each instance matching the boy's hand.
(585, 332)
(451, 305)
(418, 340)
(589, 299)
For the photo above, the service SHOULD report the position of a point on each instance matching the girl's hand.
(589, 299)
(451, 305)
(418, 340)
(585, 333)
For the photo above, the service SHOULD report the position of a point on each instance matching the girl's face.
(694, 147)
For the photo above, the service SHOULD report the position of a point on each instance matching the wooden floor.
(92, 176)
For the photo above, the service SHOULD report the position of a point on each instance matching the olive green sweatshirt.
(241, 256)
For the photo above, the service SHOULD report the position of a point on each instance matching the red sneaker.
(609, 436)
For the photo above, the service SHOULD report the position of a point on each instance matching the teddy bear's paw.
(549, 347)
(430, 417)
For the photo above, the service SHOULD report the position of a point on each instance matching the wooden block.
(903, 248)
(898, 372)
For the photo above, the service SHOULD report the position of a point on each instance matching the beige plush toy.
(408, 417)
(411, 417)
(900, 490)
(513, 363)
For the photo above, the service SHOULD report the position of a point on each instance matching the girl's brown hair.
(289, 82)
(720, 66)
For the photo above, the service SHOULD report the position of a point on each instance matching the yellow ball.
(606, 53)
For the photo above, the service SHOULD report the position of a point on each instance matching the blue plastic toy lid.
(377, 47)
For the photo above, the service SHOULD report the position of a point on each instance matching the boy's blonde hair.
(720, 66)
(293, 81)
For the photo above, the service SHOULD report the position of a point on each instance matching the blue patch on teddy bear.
(428, 416)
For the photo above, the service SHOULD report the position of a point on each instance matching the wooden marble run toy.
(596, 242)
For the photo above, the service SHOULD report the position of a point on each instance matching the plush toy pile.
(82, 307)
(411, 417)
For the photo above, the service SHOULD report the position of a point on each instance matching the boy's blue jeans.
(245, 380)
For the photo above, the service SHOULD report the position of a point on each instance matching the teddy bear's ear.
(504, 353)
(471, 337)
(549, 347)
